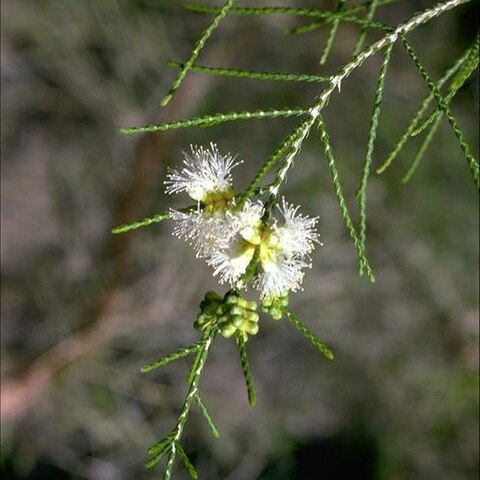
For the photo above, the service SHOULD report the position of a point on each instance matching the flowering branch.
(255, 241)
(171, 443)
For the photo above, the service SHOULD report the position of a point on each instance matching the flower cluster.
(234, 238)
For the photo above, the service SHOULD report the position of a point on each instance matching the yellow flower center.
(269, 247)
(217, 201)
(264, 237)
(241, 256)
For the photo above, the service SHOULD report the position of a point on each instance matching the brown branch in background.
(19, 393)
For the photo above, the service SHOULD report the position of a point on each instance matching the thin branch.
(302, 130)
(372, 133)
(335, 18)
(186, 462)
(418, 115)
(332, 33)
(281, 151)
(127, 227)
(364, 265)
(215, 119)
(443, 106)
(468, 68)
(159, 446)
(254, 74)
(181, 352)
(421, 151)
(304, 12)
(246, 368)
(469, 65)
(361, 38)
(199, 361)
(196, 51)
(309, 335)
(206, 414)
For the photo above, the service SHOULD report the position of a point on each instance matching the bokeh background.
(82, 310)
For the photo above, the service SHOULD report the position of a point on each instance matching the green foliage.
(196, 51)
(206, 414)
(309, 335)
(332, 33)
(412, 125)
(170, 445)
(186, 462)
(182, 352)
(370, 13)
(372, 133)
(363, 262)
(256, 75)
(159, 217)
(466, 71)
(443, 106)
(246, 369)
(215, 119)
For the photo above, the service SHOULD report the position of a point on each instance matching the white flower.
(247, 223)
(206, 172)
(236, 251)
(281, 263)
(230, 263)
(206, 178)
(206, 233)
(297, 235)
(279, 277)
(285, 252)
(283, 249)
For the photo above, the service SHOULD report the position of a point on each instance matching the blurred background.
(82, 310)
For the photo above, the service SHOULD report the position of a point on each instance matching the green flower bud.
(238, 321)
(250, 327)
(224, 319)
(210, 309)
(221, 309)
(231, 299)
(283, 301)
(247, 304)
(210, 297)
(267, 302)
(228, 330)
(203, 321)
(275, 313)
(251, 316)
(236, 310)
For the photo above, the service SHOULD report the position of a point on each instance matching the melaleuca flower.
(236, 252)
(283, 249)
(204, 232)
(280, 273)
(206, 178)
(297, 235)
(284, 252)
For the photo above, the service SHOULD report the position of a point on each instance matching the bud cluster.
(274, 306)
(232, 314)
